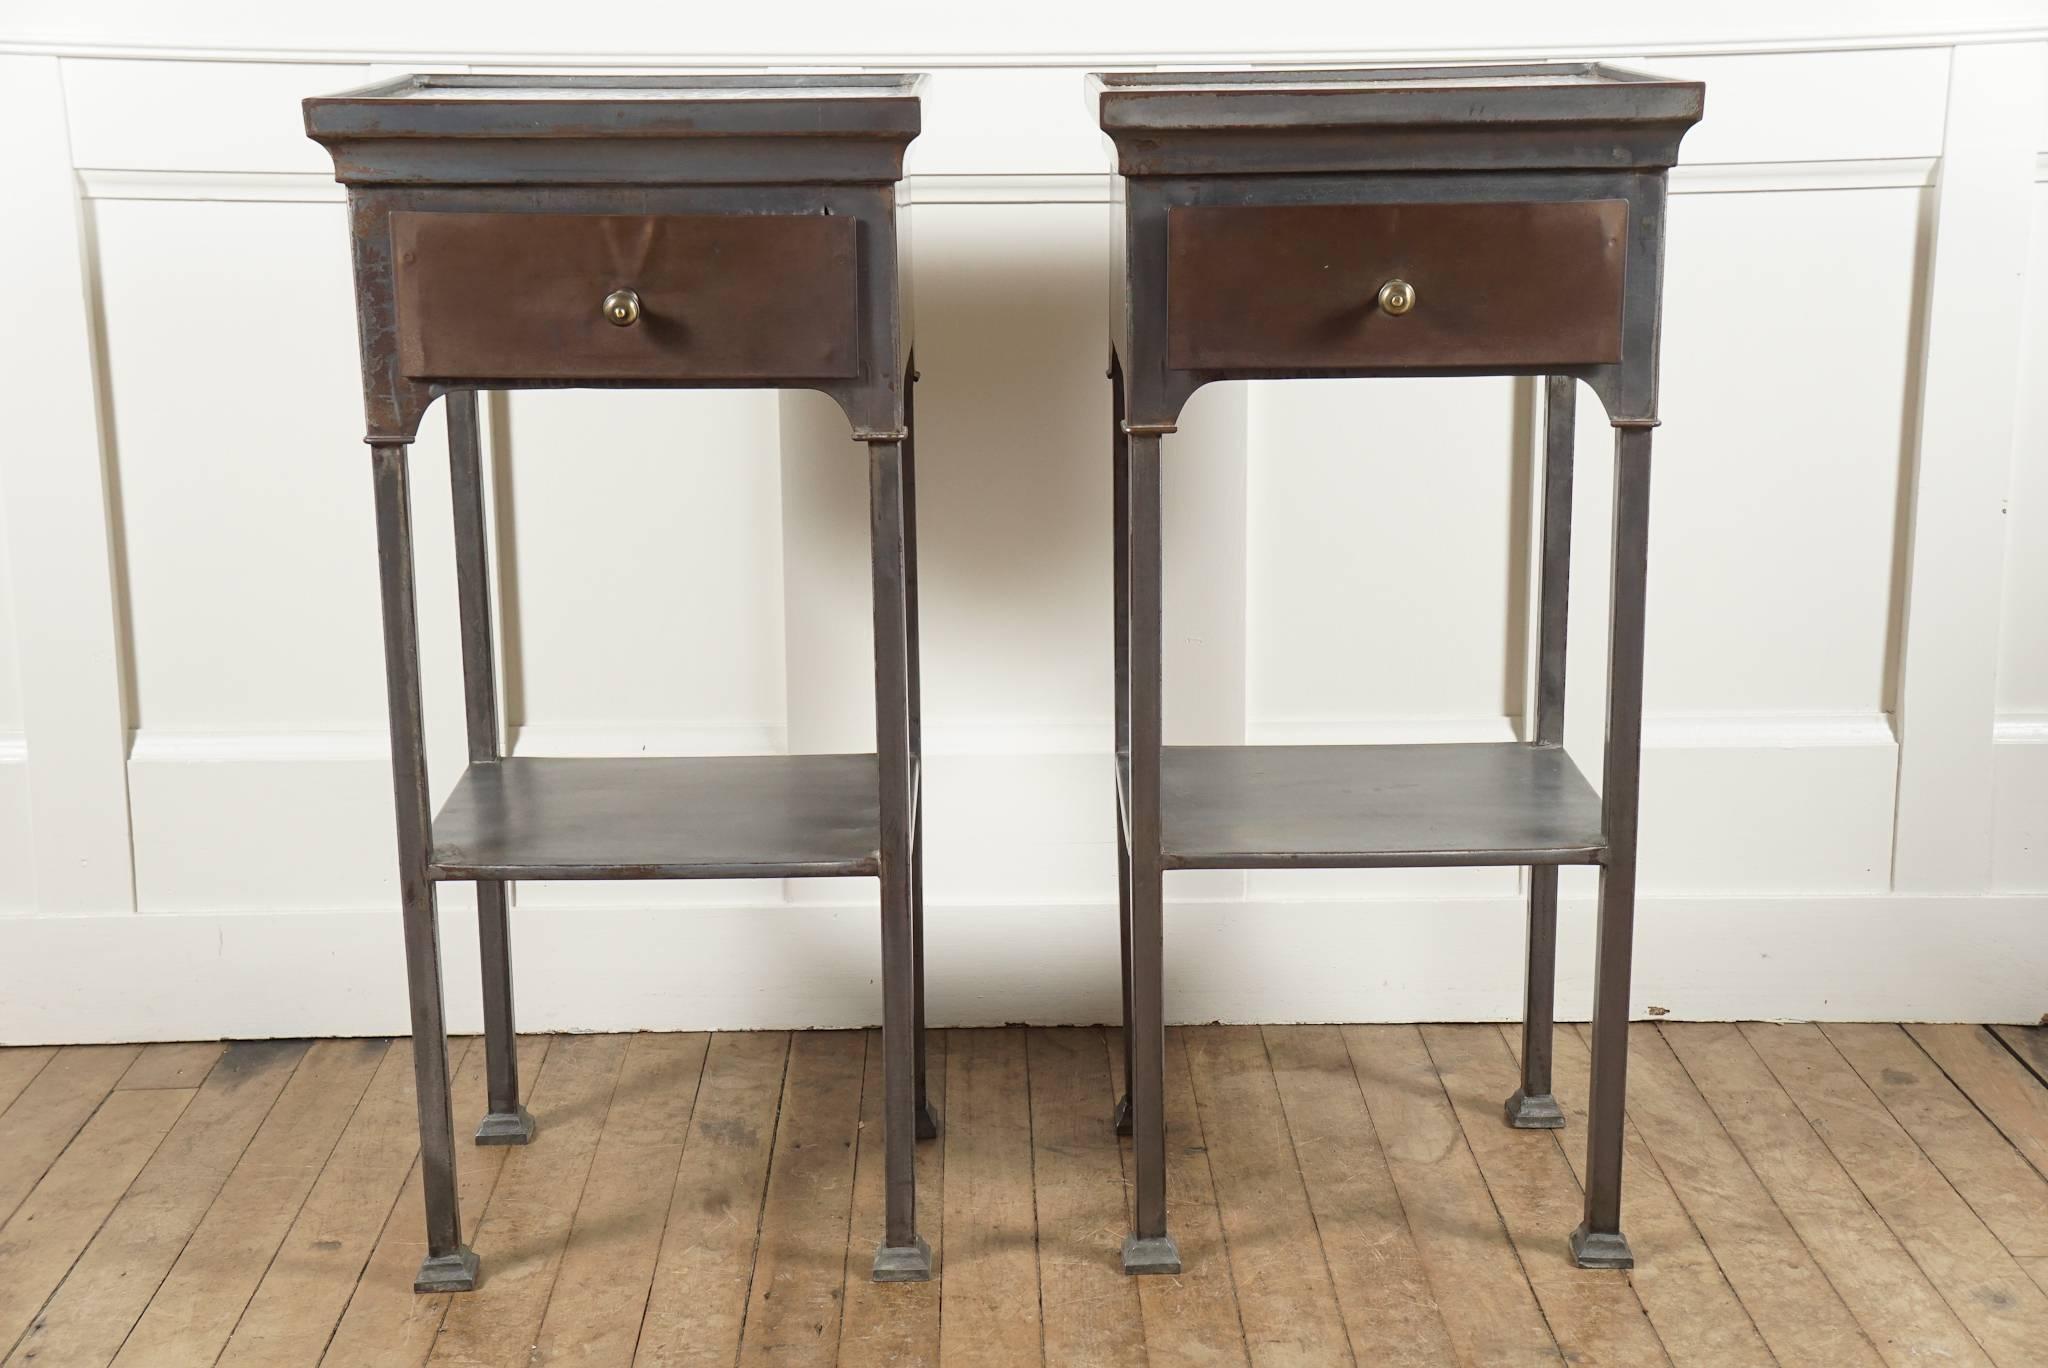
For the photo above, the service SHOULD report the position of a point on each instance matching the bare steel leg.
(449, 1265)
(1598, 1242)
(927, 1120)
(1533, 1106)
(1149, 1249)
(903, 1255)
(1120, 536)
(506, 1122)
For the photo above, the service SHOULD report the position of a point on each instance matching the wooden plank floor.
(1825, 1195)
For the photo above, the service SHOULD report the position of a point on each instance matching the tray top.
(526, 105)
(522, 128)
(1582, 115)
(1313, 97)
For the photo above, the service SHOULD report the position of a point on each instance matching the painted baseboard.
(187, 976)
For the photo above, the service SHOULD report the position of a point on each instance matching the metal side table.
(634, 231)
(1480, 220)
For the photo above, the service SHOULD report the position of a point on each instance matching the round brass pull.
(1397, 297)
(622, 308)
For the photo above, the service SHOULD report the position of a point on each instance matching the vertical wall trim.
(54, 498)
(1949, 666)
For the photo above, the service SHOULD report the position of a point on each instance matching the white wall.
(1846, 785)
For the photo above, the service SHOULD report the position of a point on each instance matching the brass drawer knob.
(622, 308)
(1397, 297)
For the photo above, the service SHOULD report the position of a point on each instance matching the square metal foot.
(1538, 1112)
(904, 1263)
(1601, 1249)
(1122, 1117)
(1151, 1254)
(927, 1121)
(447, 1272)
(514, 1127)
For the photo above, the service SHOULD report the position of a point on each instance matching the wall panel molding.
(55, 502)
(1967, 409)
(1646, 46)
(1023, 188)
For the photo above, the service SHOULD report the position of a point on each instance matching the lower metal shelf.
(1374, 807)
(697, 817)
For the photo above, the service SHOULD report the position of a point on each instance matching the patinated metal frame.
(758, 145)
(1390, 137)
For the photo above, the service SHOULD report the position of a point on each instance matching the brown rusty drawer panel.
(1297, 287)
(720, 296)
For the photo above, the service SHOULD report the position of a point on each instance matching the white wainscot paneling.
(663, 635)
(201, 116)
(639, 540)
(1012, 477)
(2020, 810)
(247, 550)
(1788, 366)
(1388, 539)
(1053, 30)
(1390, 552)
(10, 678)
(1875, 105)
(246, 555)
(1344, 561)
(17, 877)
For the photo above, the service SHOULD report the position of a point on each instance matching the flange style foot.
(1538, 1112)
(506, 1128)
(1151, 1254)
(1601, 1249)
(447, 1272)
(1121, 1119)
(904, 1263)
(927, 1121)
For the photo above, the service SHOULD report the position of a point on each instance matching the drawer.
(1297, 287)
(720, 296)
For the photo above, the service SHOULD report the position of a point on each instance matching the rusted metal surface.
(1297, 286)
(718, 296)
(634, 146)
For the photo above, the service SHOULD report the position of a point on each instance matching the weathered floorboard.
(193, 1313)
(47, 1232)
(894, 1325)
(297, 1305)
(40, 1122)
(112, 1283)
(1091, 1309)
(593, 1316)
(1594, 1319)
(1190, 1320)
(1390, 1311)
(1991, 1294)
(1493, 1317)
(386, 1325)
(1697, 1315)
(1848, 1195)
(178, 1064)
(1793, 1305)
(989, 1312)
(697, 1301)
(1877, 1279)
(800, 1267)
(525, 1227)
(1285, 1298)
(1999, 1085)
